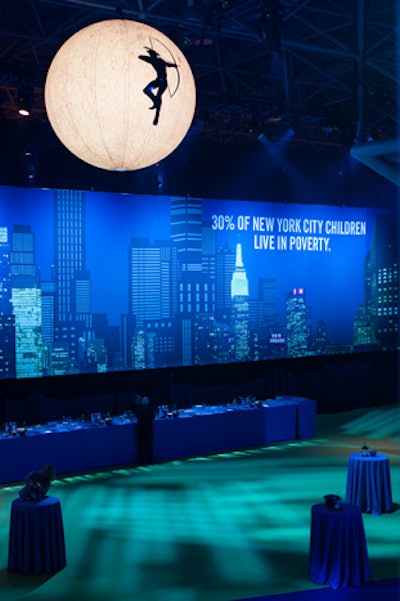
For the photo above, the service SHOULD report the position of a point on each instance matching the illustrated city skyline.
(193, 290)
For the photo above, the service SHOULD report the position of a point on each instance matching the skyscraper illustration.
(149, 280)
(298, 323)
(186, 232)
(26, 303)
(225, 266)
(321, 340)
(69, 264)
(385, 282)
(191, 239)
(7, 331)
(70, 248)
(364, 335)
(240, 308)
(239, 282)
(81, 298)
(48, 293)
(265, 321)
(267, 296)
(149, 295)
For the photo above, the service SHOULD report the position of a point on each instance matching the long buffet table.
(78, 447)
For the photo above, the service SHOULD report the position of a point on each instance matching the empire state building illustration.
(240, 308)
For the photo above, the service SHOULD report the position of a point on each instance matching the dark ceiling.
(326, 68)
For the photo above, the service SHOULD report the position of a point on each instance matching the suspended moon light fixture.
(120, 95)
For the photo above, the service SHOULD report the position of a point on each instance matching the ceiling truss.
(328, 69)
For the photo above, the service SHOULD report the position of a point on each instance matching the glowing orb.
(120, 95)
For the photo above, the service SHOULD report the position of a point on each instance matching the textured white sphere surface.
(120, 95)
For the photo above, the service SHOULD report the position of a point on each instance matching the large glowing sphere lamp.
(120, 95)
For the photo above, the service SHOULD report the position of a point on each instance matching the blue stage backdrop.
(96, 282)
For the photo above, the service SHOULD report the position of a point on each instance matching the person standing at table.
(145, 414)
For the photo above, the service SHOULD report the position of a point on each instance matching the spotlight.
(25, 101)
(30, 164)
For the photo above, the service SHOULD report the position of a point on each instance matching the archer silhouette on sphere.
(156, 88)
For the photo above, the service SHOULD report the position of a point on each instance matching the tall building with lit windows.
(240, 308)
(298, 323)
(7, 332)
(213, 341)
(69, 264)
(196, 295)
(263, 313)
(149, 280)
(364, 335)
(81, 301)
(208, 263)
(384, 282)
(162, 348)
(225, 266)
(186, 232)
(70, 248)
(138, 350)
(193, 273)
(267, 296)
(48, 293)
(26, 302)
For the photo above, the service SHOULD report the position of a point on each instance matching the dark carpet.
(380, 590)
(215, 528)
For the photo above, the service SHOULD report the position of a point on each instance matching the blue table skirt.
(98, 447)
(279, 420)
(73, 451)
(36, 539)
(240, 429)
(338, 549)
(369, 483)
(306, 415)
